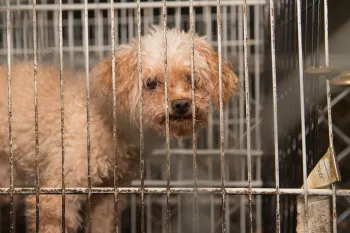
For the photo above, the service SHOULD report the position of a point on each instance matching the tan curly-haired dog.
(75, 129)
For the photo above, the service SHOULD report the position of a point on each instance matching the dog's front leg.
(50, 206)
(103, 214)
(50, 213)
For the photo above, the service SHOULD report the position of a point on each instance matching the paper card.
(324, 173)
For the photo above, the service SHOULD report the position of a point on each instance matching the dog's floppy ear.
(125, 74)
(230, 82)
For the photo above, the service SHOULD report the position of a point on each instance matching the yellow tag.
(324, 173)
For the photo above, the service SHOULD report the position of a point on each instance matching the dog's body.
(101, 122)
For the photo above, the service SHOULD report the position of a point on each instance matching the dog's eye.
(189, 79)
(151, 84)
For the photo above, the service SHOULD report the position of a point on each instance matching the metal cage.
(265, 142)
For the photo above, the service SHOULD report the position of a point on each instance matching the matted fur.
(102, 157)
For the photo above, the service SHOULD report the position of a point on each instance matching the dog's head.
(180, 101)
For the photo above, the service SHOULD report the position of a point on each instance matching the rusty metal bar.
(213, 152)
(142, 158)
(221, 108)
(88, 143)
(194, 135)
(167, 138)
(247, 108)
(241, 134)
(329, 108)
(318, 36)
(184, 183)
(62, 114)
(275, 121)
(330, 134)
(258, 31)
(132, 5)
(70, 34)
(149, 201)
(164, 190)
(326, 39)
(9, 98)
(114, 109)
(37, 174)
(302, 111)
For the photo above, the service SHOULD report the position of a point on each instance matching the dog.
(127, 91)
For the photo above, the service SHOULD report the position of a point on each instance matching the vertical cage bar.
(178, 17)
(150, 13)
(146, 22)
(330, 124)
(330, 136)
(56, 34)
(25, 35)
(247, 108)
(123, 24)
(210, 133)
(114, 110)
(70, 34)
(326, 40)
(130, 23)
(302, 112)
(224, 32)
(37, 184)
(62, 114)
(17, 31)
(194, 134)
(207, 16)
(241, 115)
(179, 199)
(133, 213)
(306, 33)
(210, 176)
(228, 209)
(98, 21)
(318, 38)
(149, 202)
(40, 34)
(164, 215)
(240, 73)
(257, 20)
(45, 28)
(222, 137)
(88, 144)
(9, 98)
(275, 123)
(167, 140)
(142, 158)
(312, 33)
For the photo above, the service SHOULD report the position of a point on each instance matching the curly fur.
(75, 126)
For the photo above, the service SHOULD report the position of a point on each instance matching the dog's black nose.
(181, 106)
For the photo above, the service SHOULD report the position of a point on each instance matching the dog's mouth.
(181, 125)
(180, 117)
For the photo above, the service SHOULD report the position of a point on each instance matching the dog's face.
(180, 102)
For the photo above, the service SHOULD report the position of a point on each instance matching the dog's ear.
(230, 82)
(125, 74)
